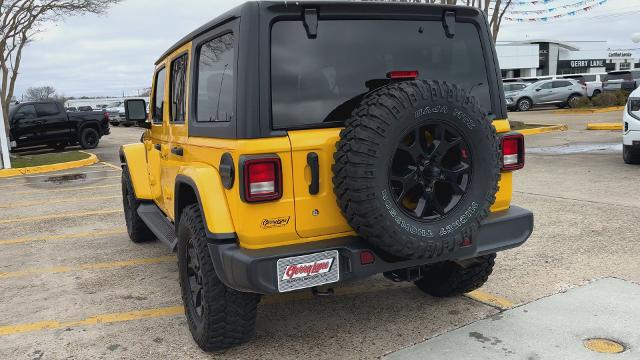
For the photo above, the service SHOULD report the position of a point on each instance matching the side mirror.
(136, 110)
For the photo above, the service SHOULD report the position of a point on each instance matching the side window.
(26, 112)
(158, 97)
(215, 97)
(546, 85)
(561, 84)
(588, 78)
(47, 109)
(177, 84)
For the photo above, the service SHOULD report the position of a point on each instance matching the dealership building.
(550, 57)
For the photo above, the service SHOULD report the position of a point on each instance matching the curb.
(92, 159)
(604, 126)
(589, 111)
(541, 129)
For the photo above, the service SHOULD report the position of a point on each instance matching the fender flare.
(134, 156)
(204, 181)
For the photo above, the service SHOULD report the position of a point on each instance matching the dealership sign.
(573, 64)
(620, 54)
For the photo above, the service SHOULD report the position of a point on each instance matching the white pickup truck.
(631, 129)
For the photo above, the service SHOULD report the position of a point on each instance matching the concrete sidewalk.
(550, 328)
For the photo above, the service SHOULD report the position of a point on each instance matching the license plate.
(306, 271)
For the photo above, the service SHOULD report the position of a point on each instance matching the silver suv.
(559, 92)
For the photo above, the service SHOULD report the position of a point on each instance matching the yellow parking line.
(62, 215)
(27, 239)
(111, 165)
(93, 320)
(66, 182)
(65, 189)
(490, 299)
(89, 266)
(56, 201)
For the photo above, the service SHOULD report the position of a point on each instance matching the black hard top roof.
(365, 6)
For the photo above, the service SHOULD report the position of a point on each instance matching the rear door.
(318, 81)
(54, 121)
(154, 143)
(543, 93)
(26, 127)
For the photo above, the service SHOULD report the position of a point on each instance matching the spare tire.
(416, 168)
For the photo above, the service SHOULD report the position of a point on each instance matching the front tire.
(448, 278)
(219, 317)
(524, 104)
(136, 228)
(89, 138)
(631, 154)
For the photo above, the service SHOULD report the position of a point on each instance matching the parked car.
(421, 186)
(627, 80)
(85, 108)
(116, 114)
(528, 80)
(48, 123)
(592, 81)
(631, 129)
(514, 87)
(72, 109)
(560, 92)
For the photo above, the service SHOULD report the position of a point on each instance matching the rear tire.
(631, 154)
(219, 317)
(596, 93)
(452, 279)
(89, 138)
(572, 100)
(524, 104)
(136, 228)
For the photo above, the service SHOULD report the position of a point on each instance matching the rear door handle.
(312, 161)
(177, 150)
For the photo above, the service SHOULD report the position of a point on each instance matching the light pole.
(5, 162)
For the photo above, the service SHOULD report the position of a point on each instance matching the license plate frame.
(305, 271)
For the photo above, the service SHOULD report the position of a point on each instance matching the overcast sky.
(115, 53)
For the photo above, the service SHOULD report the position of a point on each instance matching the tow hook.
(408, 274)
(322, 291)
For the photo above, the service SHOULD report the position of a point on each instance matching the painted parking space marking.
(89, 266)
(93, 320)
(111, 165)
(32, 191)
(20, 204)
(61, 215)
(490, 299)
(86, 234)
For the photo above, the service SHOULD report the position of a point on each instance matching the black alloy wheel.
(430, 171)
(194, 277)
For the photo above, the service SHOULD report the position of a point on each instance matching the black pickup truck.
(48, 123)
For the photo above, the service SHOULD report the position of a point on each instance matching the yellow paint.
(111, 165)
(86, 234)
(93, 320)
(61, 215)
(90, 266)
(136, 158)
(20, 204)
(47, 191)
(503, 196)
(502, 125)
(92, 159)
(604, 126)
(543, 129)
(490, 299)
(604, 346)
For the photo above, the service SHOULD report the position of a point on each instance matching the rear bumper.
(255, 270)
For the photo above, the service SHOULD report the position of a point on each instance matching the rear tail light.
(512, 152)
(367, 257)
(262, 179)
(411, 74)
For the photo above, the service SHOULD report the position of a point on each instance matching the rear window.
(620, 76)
(318, 82)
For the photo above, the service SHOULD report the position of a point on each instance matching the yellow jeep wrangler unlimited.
(296, 145)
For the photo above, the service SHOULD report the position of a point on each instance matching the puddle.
(60, 179)
(608, 148)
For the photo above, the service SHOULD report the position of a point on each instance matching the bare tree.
(19, 21)
(494, 9)
(39, 93)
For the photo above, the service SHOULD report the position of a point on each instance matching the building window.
(625, 66)
(215, 98)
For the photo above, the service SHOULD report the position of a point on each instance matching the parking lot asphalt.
(73, 286)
